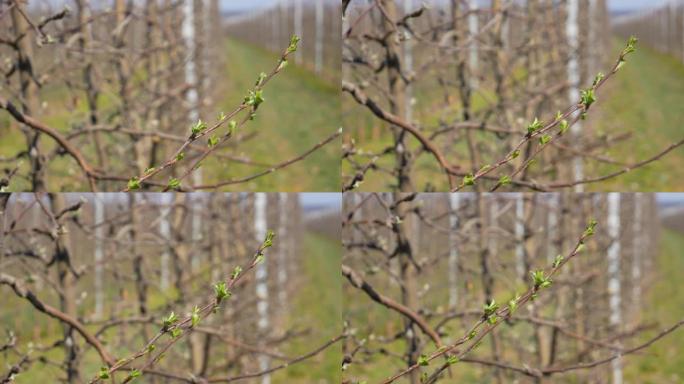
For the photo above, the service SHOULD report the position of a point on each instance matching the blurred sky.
(321, 200)
(670, 198)
(244, 5)
(615, 5)
(626, 5)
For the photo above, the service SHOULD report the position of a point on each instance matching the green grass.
(663, 362)
(644, 99)
(317, 306)
(300, 111)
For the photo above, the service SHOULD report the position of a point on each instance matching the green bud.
(198, 127)
(512, 306)
(557, 261)
(631, 45)
(135, 373)
(469, 179)
(212, 141)
(260, 79)
(424, 377)
(174, 183)
(294, 40)
(515, 154)
(232, 126)
(236, 272)
(544, 139)
(221, 291)
(540, 281)
(504, 180)
(588, 97)
(268, 241)
(170, 320)
(491, 308)
(423, 360)
(589, 231)
(600, 76)
(559, 115)
(535, 126)
(180, 156)
(452, 359)
(259, 259)
(176, 332)
(104, 373)
(563, 126)
(134, 183)
(194, 316)
(254, 98)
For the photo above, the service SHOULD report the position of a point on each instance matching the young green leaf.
(236, 272)
(268, 241)
(588, 97)
(194, 316)
(423, 360)
(544, 139)
(212, 141)
(104, 373)
(221, 291)
(294, 41)
(170, 320)
(535, 126)
(134, 183)
(174, 184)
(198, 127)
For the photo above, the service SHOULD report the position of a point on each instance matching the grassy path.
(663, 362)
(317, 306)
(646, 100)
(300, 110)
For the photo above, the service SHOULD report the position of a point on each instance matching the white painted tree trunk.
(491, 236)
(519, 228)
(638, 251)
(572, 34)
(345, 51)
(453, 251)
(506, 33)
(262, 280)
(553, 223)
(283, 254)
(408, 64)
(593, 37)
(614, 283)
(298, 27)
(320, 36)
(191, 96)
(472, 31)
(196, 206)
(165, 231)
(99, 254)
